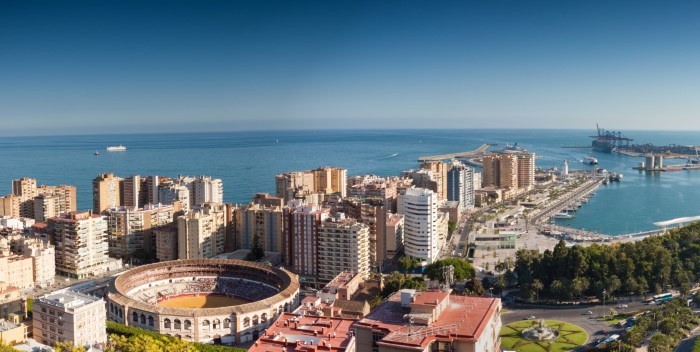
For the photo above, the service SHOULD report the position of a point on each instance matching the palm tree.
(537, 286)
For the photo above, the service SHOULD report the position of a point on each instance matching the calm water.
(248, 161)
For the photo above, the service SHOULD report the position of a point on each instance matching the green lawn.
(570, 337)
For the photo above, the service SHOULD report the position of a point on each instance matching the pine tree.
(257, 252)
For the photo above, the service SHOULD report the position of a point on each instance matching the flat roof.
(464, 318)
(68, 299)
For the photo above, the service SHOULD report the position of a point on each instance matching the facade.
(460, 185)
(509, 171)
(394, 235)
(134, 299)
(52, 201)
(301, 333)
(298, 184)
(43, 256)
(423, 178)
(16, 270)
(526, 171)
(439, 170)
(343, 246)
(301, 230)
(431, 321)
(81, 243)
(131, 229)
(106, 192)
(263, 221)
(202, 232)
(170, 193)
(421, 231)
(166, 243)
(12, 334)
(65, 316)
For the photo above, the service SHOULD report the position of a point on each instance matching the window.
(216, 324)
(150, 321)
(178, 324)
(246, 322)
(135, 317)
(255, 320)
(227, 323)
(188, 324)
(166, 323)
(143, 319)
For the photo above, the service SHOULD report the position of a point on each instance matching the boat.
(590, 160)
(563, 216)
(119, 148)
(97, 152)
(511, 149)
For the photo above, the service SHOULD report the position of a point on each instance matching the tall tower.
(106, 192)
(421, 237)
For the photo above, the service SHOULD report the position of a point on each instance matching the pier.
(478, 152)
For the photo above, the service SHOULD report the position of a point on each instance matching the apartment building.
(262, 221)
(106, 192)
(439, 170)
(460, 185)
(343, 245)
(81, 243)
(419, 207)
(67, 316)
(298, 184)
(202, 232)
(131, 229)
(302, 223)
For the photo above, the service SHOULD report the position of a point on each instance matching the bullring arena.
(203, 300)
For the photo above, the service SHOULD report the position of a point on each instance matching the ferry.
(97, 152)
(563, 216)
(590, 160)
(119, 148)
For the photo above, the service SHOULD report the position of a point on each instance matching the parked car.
(532, 317)
(588, 313)
(622, 306)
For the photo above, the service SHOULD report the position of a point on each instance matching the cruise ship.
(119, 148)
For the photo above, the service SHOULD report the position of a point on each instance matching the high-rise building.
(72, 317)
(423, 178)
(394, 235)
(509, 171)
(106, 192)
(131, 229)
(81, 243)
(169, 193)
(202, 189)
(264, 222)
(52, 201)
(24, 188)
(526, 170)
(419, 207)
(202, 232)
(166, 243)
(343, 245)
(439, 170)
(460, 185)
(301, 230)
(16, 270)
(299, 184)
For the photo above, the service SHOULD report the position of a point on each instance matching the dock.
(478, 152)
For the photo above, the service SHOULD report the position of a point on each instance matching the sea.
(247, 162)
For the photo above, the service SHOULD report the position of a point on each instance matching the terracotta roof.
(351, 306)
(464, 318)
(298, 333)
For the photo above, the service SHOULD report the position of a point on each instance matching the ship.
(119, 148)
(511, 149)
(609, 141)
(563, 216)
(590, 160)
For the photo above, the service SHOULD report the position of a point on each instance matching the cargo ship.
(608, 141)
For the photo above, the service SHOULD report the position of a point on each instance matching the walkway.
(470, 154)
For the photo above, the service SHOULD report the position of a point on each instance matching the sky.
(77, 67)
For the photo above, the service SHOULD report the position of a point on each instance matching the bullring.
(137, 296)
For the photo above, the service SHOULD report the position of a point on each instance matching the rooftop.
(298, 333)
(7, 326)
(68, 299)
(462, 318)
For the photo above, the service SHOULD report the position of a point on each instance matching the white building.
(421, 233)
(69, 316)
(343, 245)
(44, 259)
(202, 232)
(81, 244)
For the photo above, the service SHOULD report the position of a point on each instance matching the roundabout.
(542, 336)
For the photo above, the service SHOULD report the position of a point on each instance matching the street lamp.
(605, 292)
(491, 291)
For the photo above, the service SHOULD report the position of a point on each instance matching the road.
(593, 324)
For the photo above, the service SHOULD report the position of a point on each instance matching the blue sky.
(135, 66)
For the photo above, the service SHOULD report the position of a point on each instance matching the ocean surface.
(247, 162)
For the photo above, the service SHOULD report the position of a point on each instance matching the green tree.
(462, 269)
(537, 286)
(406, 264)
(257, 252)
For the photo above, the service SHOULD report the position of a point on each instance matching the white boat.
(590, 160)
(563, 216)
(119, 148)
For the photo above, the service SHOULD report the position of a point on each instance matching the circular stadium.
(203, 300)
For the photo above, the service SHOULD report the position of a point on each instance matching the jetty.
(478, 152)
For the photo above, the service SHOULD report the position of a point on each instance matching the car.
(531, 317)
(588, 313)
(622, 306)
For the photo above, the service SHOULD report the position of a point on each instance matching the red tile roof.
(297, 333)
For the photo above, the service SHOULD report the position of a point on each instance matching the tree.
(578, 286)
(500, 284)
(474, 288)
(660, 343)
(557, 289)
(537, 286)
(257, 252)
(68, 347)
(462, 269)
(4, 347)
(406, 264)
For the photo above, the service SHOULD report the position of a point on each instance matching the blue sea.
(247, 162)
